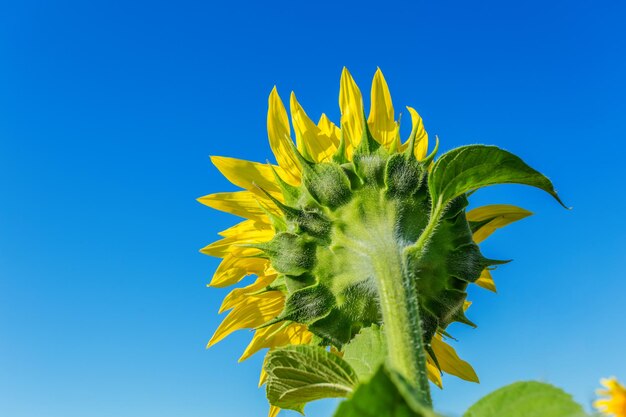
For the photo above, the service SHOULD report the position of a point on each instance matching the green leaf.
(366, 352)
(471, 167)
(385, 395)
(526, 399)
(299, 374)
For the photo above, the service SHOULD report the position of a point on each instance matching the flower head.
(614, 403)
(320, 225)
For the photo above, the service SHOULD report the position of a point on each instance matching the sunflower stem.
(400, 309)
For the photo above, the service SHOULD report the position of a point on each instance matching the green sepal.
(474, 226)
(489, 263)
(307, 305)
(314, 223)
(336, 328)
(431, 156)
(295, 283)
(339, 157)
(460, 317)
(368, 145)
(431, 353)
(290, 192)
(403, 176)
(279, 284)
(308, 220)
(371, 169)
(350, 170)
(278, 223)
(370, 159)
(290, 254)
(327, 183)
(303, 158)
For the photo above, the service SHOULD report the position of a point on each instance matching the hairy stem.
(400, 308)
(377, 245)
(403, 330)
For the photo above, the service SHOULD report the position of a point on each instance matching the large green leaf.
(470, 167)
(297, 375)
(385, 395)
(526, 399)
(366, 352)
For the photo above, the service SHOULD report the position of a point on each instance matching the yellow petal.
(486, 281)
(352, 115)
(250, 175)
(269, 270)
(297, 334)
(244, 227)
(610, 383)
(263, 376)
(222, 247)
(238, 295)
(601, 404)
(419, 132)
(381, 118)
(450, 362)
(615, 403)
(497, 215)
(433, 373)
(238, 263)
(273, 411)
(240, 203)
(277, 335)
(329, 129)
(261, 339)
(253, 312)
(310, 138)
(280, 138)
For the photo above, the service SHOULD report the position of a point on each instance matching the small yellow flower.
(615, 402)
(257, 304)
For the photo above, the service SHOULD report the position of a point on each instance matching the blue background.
(110, 109)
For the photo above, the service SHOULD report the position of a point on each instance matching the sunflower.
(304, 222)
(615, 402)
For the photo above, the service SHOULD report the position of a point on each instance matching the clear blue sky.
(110, 109)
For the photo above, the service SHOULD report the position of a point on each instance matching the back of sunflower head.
(363, 250)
